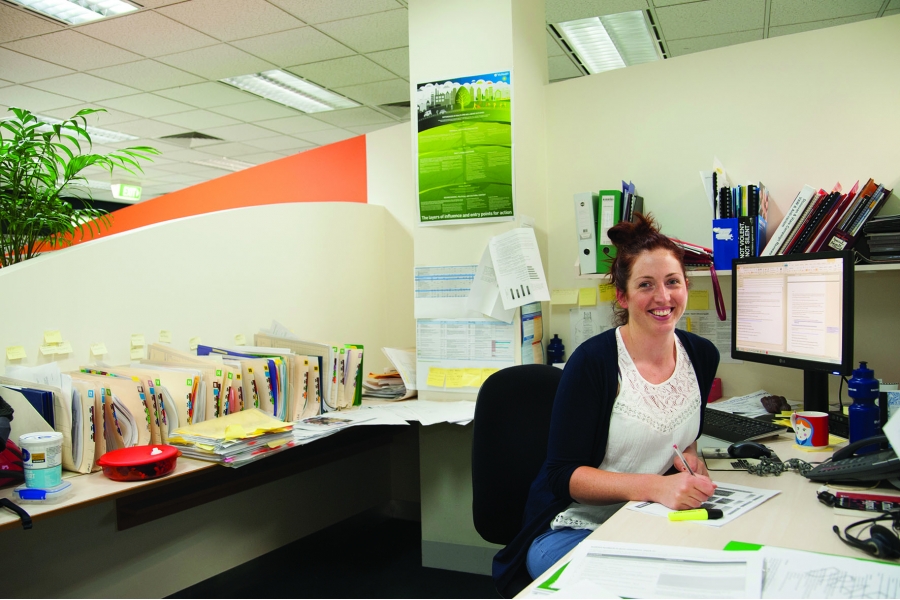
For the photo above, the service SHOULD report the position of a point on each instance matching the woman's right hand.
(684, 491)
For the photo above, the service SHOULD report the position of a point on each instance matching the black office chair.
(512, 424)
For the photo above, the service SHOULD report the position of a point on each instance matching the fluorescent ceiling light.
(98, 136)
(289, 90)
(226, 164)
(78, 11)
(611, 41)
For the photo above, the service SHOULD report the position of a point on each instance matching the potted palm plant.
(41, 163)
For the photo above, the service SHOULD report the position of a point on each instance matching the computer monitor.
(795, 311)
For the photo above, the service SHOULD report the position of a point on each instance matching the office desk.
(792, 519)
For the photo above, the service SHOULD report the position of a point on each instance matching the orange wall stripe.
(332, 173)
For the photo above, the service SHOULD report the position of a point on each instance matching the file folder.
(586, 204)
(610, 214)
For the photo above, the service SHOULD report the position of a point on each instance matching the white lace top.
(647, 419)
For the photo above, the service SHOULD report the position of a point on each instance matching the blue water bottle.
(556, 352)
(863, 414)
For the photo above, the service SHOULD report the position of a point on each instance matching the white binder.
(586, 230)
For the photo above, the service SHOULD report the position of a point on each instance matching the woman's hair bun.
(639, 231)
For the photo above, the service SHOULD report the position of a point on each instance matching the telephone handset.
(846, 467)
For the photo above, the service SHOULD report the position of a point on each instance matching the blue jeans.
(551, 546)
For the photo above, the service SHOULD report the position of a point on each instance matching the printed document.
(518, 267)
(732, 499)
(650, 571)
(441, 292)
(797, 574)
(484, 296)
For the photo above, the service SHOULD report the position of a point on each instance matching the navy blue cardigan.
(579, 428)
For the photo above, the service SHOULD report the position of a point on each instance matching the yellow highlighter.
(697, 514)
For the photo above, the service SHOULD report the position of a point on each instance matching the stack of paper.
(397, 383)
(234, 440)
(315, 428)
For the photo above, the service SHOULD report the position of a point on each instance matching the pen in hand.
(681, 456)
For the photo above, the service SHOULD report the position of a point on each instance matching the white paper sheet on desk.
(441, 292)
(577, 589)
(404, 360)
(732, 499)
(431, 413)
(518, 268)
(484, 296)
(797, 574)
(650, 571)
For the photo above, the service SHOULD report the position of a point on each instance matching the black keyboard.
(736, 428)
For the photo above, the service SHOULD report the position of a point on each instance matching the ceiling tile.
(84, 87)
(185, 155)
(363, 129)
(699, 44)
(789, 12)
(559, 11)
(294, 47)
(553, 48)
(231, 19)
(150, 129)
(380, 92)
(294, 125)
(327, 137)
(216, 62)
(562, 67)
(800, 27)
(230, 149)
(158, 3)
(341, 72)
(354, 117)
(147, 33)
(240, 132)
(316, 11)
(661, 3)
(190, 168)
(147, 75)
(146, 105)
(396, 60)
(280, 143)
(712, 17)
(4, 83)
(161, 145)
(380, 31)
(207, 95)
(32, 99)
(261, 157)
(891, 11)
(894, 5)
(198, 119)
(20, 68)
(255, 111)
(16, 24)
(72, 49)
(176, 178)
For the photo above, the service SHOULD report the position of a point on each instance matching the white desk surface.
(792, 519)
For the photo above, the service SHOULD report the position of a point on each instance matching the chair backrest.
(512, 424)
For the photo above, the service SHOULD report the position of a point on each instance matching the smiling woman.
(626, 397)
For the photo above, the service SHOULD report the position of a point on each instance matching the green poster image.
(465, 169)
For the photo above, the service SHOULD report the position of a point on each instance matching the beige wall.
(815, 107)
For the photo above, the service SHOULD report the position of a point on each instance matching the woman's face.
(656, 294)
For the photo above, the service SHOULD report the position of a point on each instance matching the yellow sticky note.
(165, 336)
(194, 342)
(587, 296)
(137, 353)
(52, 336)
(15, 352)
(235, 432)
(566, 296)
(607, 292)
(698, 300)
(98, 349)
(64, 348)
(687, 323)
(47, 349)
(455, 378)
(436, 377)
(240, 339)
(485, 373)
(472, 377)
(137, 340)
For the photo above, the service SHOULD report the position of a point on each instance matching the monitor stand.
(815, 391)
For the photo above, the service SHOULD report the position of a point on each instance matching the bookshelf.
(705, 272)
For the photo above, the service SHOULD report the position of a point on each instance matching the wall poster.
(464, 150)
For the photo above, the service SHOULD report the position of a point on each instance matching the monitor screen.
(795, 311)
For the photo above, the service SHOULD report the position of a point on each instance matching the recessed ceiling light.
(289, 90)
(611, 41)
(78, 11)
(226, 164)
(98, 136)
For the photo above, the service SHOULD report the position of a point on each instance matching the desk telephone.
(846, 466)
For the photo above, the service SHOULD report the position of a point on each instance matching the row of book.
(750, 200)
(819, 221)
(882, 240)
(595, 213)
